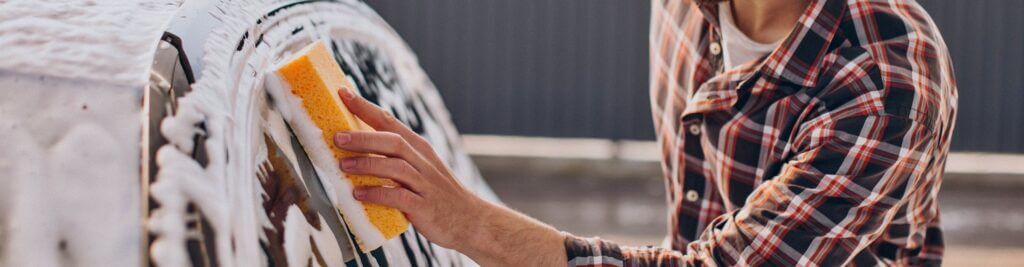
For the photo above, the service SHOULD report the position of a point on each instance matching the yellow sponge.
(314, 77)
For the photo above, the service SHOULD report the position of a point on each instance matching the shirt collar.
(799, 57)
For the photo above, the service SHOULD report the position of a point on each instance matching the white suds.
(108, 41)
(297, 238)
(227, 192)
(72, 75)
(69, 162)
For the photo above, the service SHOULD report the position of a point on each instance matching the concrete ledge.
(563, 148)
(985, 163)
(610, 159)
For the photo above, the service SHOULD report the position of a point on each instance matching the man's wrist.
(479, 242)
(506, 237)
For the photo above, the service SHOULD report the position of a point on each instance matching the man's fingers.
(395, 197)
(382, 120)
(382, 143)
(373, 115)
(391, 168)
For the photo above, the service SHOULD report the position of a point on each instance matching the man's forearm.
(504, 237)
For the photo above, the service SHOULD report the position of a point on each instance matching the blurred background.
(552, 96)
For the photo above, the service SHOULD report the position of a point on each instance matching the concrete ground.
(623, 200)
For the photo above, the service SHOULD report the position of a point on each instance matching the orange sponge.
(314, 76)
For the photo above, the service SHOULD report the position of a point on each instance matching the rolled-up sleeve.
(827, 203)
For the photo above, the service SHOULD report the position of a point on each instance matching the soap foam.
(296, 240)
(70, 169)
(107, 41)
(72, 76)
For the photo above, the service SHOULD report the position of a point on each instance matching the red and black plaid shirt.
(828, 151)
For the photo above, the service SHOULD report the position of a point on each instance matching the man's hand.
(433, 199)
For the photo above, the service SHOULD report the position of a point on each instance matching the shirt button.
(716, 48)
(694, 129)
(691, 195)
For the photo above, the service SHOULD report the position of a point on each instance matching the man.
(794, 132)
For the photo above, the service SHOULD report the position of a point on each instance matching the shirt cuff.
(591, 252)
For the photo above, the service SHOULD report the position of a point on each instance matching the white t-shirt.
(737, 48)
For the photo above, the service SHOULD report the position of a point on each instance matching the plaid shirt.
(828, 151)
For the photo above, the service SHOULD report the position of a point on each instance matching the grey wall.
(578, 68)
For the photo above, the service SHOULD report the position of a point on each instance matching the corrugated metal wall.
(578, 68)
(986, 38)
